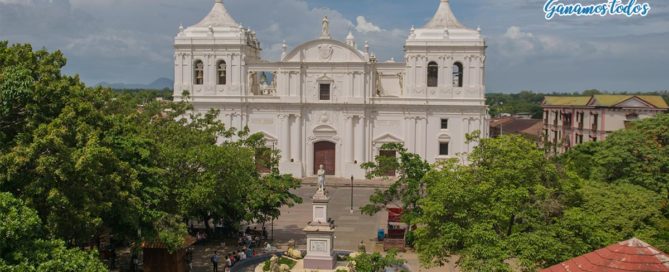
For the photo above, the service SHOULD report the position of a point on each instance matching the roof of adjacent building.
(188, 241)
(567, 100)
(531, 127)
(444, 18)
(603, 100)
(632, 255)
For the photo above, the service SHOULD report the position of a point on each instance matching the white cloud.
(365, 26)
(120, 44)
(519, 41)
(517, 45)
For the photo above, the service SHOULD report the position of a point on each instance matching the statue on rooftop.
(325, 32)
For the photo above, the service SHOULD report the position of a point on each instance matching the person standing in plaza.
(228, 262)
(214, 260)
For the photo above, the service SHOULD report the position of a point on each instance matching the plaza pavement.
(351, 228)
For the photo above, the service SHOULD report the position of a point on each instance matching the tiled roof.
(655, 100)
(566, 100)
(514, 125)
(609, 100)
(632, 255)
(603, 100)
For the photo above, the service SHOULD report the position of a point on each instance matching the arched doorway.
(325, 154)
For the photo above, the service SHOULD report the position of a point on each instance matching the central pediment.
(324, 50)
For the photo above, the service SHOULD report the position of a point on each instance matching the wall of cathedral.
(357, 131)
(327, 98)
(301, 82)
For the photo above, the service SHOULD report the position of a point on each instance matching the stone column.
(411, 134)
(449, 74)
(350, 150)
(443, 72)
(209, 67)
(284, 139)
(421, 139)
(296, 139)
(360, 140)
(422, 72)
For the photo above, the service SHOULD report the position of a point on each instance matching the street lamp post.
(351, 193)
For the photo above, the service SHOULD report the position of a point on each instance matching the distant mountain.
(159, 84)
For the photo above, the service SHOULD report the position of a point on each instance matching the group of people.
(201, 236)
(247, 241)
(227, 261)
(252, 236)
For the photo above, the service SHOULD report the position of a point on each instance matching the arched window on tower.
(458, 74)
(221, 72)
(432, 74)
(198, 78)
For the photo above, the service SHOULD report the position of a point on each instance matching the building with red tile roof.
(632, 255)
(530, 128)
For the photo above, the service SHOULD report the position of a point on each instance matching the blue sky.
(130, 41)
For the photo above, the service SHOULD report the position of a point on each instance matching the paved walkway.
(351, 227)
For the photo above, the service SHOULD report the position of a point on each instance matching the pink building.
(572, 120)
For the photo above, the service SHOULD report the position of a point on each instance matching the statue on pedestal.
(321, 178)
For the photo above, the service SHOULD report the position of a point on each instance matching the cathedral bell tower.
(445, 59)
(211, 56)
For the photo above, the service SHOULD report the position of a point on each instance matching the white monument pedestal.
(320, 236)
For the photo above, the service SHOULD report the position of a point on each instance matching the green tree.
(580, 159)
(22, 247)
(409, 186)
(523, 102)
(70, 174)
(638, 155)
(32, 90)
(376, 262)
(508, 190)
(269, 195)
(94, 162)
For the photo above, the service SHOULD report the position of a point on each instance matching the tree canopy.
(507, 192)
(513, 206)
(409, 186)
(637, 155)
(24, 248)
(93, 162)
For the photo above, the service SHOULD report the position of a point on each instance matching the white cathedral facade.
(329, 102)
